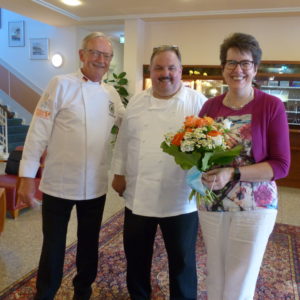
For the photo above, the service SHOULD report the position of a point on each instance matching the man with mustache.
(152, 185)
(72, 121)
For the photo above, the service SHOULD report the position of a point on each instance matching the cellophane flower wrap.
(199, 145)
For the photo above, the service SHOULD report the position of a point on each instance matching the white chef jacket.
(155, 184)
(72, 120)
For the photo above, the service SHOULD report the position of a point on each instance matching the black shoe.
(83, 296)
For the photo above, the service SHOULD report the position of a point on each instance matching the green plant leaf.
(225, 157)
(184, 159)
(123, 81)
(115, 75)
(122, 75)
(205, 161)
(125, 101)
(122, 91)
(114, 129)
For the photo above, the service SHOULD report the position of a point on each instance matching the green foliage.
(120, 82)
(203, 161)
(183, 159)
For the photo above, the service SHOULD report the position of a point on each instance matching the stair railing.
(3, 134)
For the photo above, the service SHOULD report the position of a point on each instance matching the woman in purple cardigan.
(237, 226)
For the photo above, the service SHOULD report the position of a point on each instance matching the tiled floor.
(20, 243)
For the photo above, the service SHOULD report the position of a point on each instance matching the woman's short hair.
(244, 43)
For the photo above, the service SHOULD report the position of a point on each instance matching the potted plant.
(119, 82)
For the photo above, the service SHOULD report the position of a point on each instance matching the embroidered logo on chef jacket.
(111, 109)
(43, 110)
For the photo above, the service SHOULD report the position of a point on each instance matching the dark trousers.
(55, 216)
(180, 235)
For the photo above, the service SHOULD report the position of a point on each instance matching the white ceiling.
(54, 12)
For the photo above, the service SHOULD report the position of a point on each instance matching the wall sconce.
(57, 60)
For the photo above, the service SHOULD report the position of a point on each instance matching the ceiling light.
(57, 60)
(71, 2)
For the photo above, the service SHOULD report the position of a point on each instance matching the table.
(2, 208)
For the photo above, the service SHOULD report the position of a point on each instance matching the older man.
(152, 184)
(72, 121)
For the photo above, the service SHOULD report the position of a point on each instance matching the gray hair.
(93, 35)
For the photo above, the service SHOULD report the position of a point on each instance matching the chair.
(11, 182)
(2, 209)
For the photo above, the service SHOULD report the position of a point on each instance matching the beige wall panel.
(4, 81)
(199, 40)
(24, 95)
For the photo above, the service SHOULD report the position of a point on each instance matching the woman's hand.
(216, 179)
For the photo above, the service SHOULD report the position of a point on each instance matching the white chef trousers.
(235, 244)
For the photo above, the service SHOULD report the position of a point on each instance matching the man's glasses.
(245, 64)
(97, 54)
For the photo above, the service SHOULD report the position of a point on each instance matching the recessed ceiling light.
(71, 2)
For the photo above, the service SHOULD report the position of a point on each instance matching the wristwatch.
(236, 174)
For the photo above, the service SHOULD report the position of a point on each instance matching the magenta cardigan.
(269, 126)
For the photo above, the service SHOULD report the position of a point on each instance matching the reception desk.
(293, 179)
(2, 208)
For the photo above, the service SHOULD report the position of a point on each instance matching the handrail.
(3, 133)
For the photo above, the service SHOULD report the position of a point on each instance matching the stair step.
(14, 121)
(17, 129)
(17, 137)
(12, 146)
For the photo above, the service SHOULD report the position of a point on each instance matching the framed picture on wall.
(39, 48)
(16, 34)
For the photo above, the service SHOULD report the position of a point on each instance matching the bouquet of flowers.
(197, 146)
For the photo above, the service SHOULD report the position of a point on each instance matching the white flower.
(188, 135)
(187, 146)
(169, 137)
(227, 123)
(217, 140)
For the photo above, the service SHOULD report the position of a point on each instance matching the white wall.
(63, 40)
(199, 41)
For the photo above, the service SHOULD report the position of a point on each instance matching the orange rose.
(214, 133)
(209, 120)
(178, 138)
(190, 121)
(200, 122)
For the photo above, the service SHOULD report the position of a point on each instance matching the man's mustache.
(164, 78)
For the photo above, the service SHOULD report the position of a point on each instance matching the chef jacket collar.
(179, 96)
(86, 79)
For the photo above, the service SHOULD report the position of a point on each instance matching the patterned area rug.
(279, 277)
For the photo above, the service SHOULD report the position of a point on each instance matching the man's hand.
(119, 184)
(26, 191)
